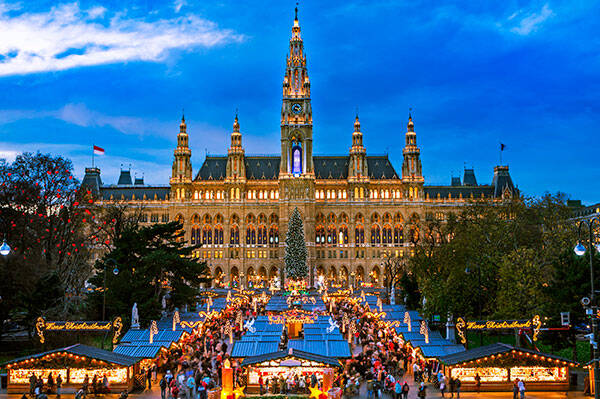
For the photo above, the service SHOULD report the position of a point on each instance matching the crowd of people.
(381, 362)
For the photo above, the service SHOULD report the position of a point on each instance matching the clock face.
(296, 108)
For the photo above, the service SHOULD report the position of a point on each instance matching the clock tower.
(296, 112)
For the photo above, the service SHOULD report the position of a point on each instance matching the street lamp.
(4, 248)
(580, 251)
(115, 272)
(468, 271)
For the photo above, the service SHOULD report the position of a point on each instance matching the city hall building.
(357, 208)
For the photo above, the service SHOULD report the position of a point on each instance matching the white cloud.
(80, 115)
(532, 21)
(8, 155)
(96, 12)
(68, 37)
(178, 4)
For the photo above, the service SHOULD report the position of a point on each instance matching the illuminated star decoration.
(317, 393)
(239, 392)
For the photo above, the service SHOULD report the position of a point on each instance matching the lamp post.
(580, 251)
(4, 248)
(115, 271)
(468, 271)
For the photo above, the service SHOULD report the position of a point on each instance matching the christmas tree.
(295, 250)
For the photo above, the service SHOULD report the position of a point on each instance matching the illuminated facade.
(356, 207)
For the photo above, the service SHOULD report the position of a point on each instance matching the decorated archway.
(234, 277)
(344, 278)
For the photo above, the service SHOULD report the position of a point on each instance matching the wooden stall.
(73, 364)
(282, 363)
(499, 365)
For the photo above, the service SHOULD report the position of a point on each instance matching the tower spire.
(182, 164)
(412, 173)
(357, 167)
(235, 169)
(296, 110)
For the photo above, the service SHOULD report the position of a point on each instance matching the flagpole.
(93, 155)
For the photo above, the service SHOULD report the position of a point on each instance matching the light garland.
(407, 321)
(115, 376)
(176, 319)
(487, 374)
(153, 330)
(21, 376)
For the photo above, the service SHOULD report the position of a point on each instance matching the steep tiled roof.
(127, 193)
(380, 167)
(267, 167)
(457, 191)
(331, 167)
(262, 168)
(213, 168)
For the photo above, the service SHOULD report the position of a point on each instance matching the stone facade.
(356, 208)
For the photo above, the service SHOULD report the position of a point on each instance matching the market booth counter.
(281, 363)
(499, 365)
(73, 363)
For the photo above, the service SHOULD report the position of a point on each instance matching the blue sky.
(118, 73)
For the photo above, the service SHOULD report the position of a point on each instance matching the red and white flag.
(98, 150)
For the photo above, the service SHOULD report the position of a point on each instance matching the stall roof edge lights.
(496, 349)
(84, 351)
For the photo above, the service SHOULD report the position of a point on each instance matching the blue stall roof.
(335, 349)
(146, 351)
(253, 348)
(437, 351)
(143, 336)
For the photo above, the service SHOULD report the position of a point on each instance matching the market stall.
(498, 365)
(73, 364)
(282, 363)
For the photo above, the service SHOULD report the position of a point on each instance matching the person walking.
(32, 384)
(190, 388)
(85, 385)
(370, 388)
(50, 383)
(405, 389)
(477, 383)
(149, 377)
(451, 386)
(515, 389)
(397, 389)
(422, 391)
(521, 389)
(163, 388)
(59, 383)
(416, 371)
(457, 384)
(442, 380)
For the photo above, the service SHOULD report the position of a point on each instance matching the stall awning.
(437, 351)
(329, 348)
(146, 351)
(253, 348)
(496, 349)
(85, 351)
(281, 356)
(143, 336)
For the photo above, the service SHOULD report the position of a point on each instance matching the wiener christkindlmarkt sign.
(463, 325)
(42, 326)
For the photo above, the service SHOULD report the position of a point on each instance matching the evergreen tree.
(295, 250)
(152, 261)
